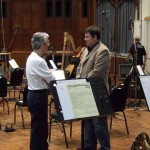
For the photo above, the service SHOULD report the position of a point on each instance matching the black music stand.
(16, 78)
(65, 100)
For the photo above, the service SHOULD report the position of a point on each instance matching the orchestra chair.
(24, 84)
(3, 92)
(16, 78)
(118, 97)
(2, 63)
(54, 120)
(21, 103)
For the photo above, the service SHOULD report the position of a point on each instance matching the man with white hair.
(38, 76)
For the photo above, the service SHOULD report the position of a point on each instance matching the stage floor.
(138, 121)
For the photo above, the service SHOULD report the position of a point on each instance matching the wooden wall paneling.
(81, 41)
(49, 24)
(58, 14)
(79, 20)
(84, 19)
(25, 43)
(48, 17)
(58, 22)
(68, 15)
(68, 24)
(27, 15)
(17, 15)
(79, 23)
(18, 42)
(20, 57)
(91, 12)
(32, 16)
(56, 41)
(22, 42)
(37, 15)
(8, 25)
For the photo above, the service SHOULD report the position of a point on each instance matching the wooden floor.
(19, 140)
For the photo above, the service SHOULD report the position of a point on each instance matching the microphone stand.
(115, 49)
(16, 29)
(53, 53)
(7, 71)
(134, 69)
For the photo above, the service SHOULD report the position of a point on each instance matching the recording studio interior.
(124, 31)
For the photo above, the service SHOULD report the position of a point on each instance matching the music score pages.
(76, 99)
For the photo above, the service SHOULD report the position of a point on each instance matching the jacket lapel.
(91, 53)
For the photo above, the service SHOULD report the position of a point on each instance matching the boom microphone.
(104, 12)
(131, 20)
(17, 27)
(130, 24)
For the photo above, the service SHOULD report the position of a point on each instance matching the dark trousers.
(38, 106)
(96, 129)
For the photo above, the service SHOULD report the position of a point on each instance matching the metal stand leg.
(82, 135)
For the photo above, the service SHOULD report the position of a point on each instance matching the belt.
(38, 91)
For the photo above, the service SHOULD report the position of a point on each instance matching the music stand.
(79, 99)
(16, 79)
(52, 64)
(140, 71)
(145, 82)
(59, 74)
(13, 64)
(137, 86)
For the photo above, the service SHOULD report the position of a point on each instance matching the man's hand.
(127, 59)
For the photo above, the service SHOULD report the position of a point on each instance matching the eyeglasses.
(47, 43)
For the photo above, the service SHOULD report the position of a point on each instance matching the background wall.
(142, 28)
(145, 7)
(55, 17)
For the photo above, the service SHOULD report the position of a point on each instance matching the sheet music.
(58, 74)
(53, 64)
(82, 99)
(76, 99)
(145, 81)
(13, 64)
(140, 70)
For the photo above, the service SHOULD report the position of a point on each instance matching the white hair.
(38, 39)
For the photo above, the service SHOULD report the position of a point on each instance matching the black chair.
(55, 119)
(15, 79)
(21, 103)
(118, 97)
(3, 92)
